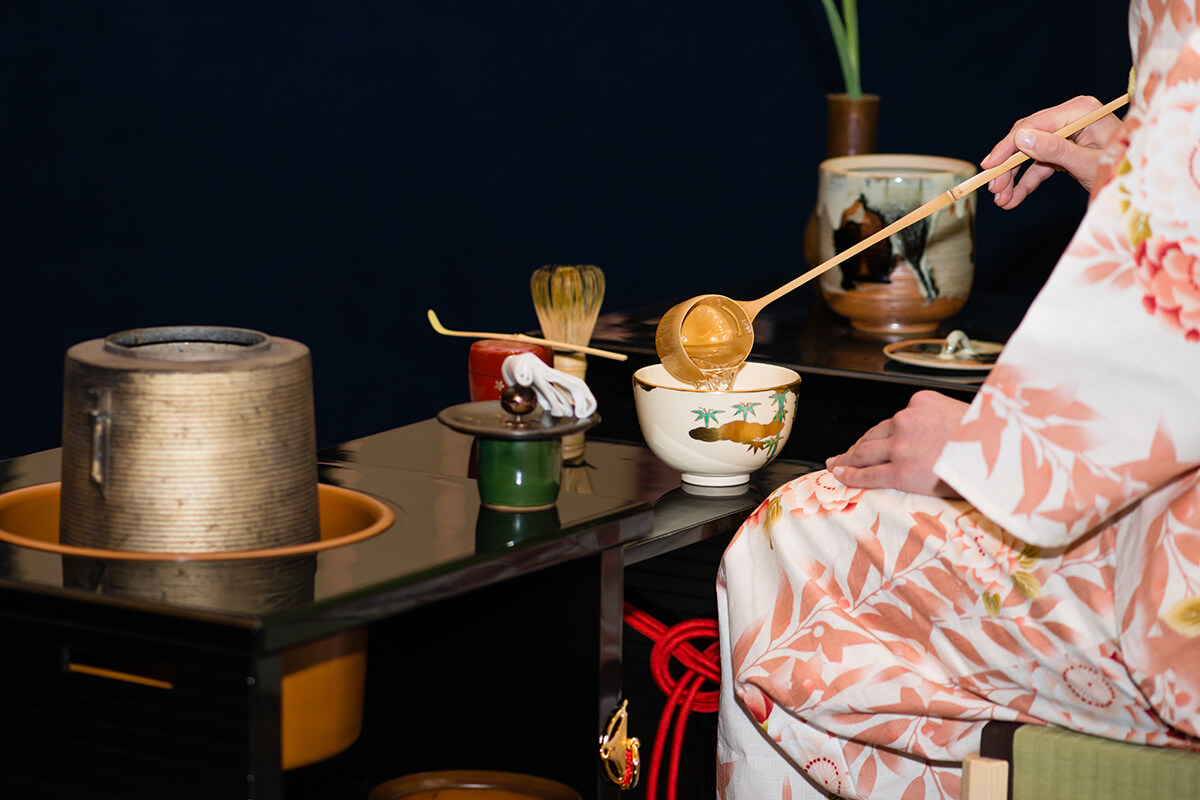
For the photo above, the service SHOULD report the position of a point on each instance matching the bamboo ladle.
(711, 334)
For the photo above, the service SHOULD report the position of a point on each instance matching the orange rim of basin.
(470, 784)
(321, 702)
(29, 518)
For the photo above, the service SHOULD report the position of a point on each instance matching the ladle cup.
(710, 335)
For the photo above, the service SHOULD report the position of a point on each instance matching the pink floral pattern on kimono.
(867, 636)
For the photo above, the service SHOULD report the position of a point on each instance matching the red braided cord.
(683, 692)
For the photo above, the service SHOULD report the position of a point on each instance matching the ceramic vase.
(851, 128)
(851, 124)
(908, 283)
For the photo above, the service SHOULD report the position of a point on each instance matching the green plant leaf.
(844, 28)
(850, 15)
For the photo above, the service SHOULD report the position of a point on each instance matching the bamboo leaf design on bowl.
(756, 435)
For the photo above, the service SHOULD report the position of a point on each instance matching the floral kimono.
(868, 635)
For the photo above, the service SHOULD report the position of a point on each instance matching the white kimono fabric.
(867, 636)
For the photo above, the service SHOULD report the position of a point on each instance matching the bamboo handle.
(936, 204)
(520, 337)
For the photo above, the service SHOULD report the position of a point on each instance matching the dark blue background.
(326, 171)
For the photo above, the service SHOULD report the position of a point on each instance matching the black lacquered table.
(495, 642)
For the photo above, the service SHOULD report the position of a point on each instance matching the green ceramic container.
(518, 456)
(519, 474)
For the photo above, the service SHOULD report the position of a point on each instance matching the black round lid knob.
(519, 400)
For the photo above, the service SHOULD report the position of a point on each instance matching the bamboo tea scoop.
(706, 338)
(520, 337)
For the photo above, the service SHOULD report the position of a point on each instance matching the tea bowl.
(716, 437)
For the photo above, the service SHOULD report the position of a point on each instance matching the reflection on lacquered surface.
(496, 530)
(255, 587)
(608, 469)
(442, 542)
(438, 538)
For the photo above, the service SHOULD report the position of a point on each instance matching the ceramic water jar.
(905, 285)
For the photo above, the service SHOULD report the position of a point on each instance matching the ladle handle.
(752, 307)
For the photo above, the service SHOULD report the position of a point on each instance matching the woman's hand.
(899, 453)
(1033, 135)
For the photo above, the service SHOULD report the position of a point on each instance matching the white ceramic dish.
(928, 353)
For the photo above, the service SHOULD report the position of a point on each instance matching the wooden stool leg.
(984, 778)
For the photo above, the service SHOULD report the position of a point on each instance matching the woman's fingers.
(1031, 178)
(865, 453)
(1034, 135)
(876, 476)
(899, 452)
(881, 431)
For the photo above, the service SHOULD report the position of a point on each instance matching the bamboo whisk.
(567, 301)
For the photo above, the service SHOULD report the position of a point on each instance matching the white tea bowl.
(716, 437)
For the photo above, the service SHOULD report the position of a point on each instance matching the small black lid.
(488, 418)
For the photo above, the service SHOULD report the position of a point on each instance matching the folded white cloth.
(559, 394)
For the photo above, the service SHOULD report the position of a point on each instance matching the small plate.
(927, 353)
